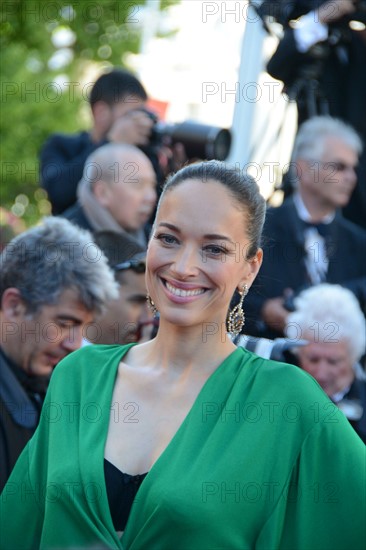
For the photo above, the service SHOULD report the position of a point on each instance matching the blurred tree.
(52, 52)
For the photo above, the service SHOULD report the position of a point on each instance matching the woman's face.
(196, 256)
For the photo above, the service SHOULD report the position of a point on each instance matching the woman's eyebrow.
(170, 226)
(215, 236)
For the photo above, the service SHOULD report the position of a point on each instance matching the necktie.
(321, 228)
(316, 261)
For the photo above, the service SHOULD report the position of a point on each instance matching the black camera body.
(200, 141)
(283, 11)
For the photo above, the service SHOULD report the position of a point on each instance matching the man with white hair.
(116, 193)
(306, 239)
(329, 318)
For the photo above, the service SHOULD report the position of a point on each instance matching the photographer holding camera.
(118, 104)
(117, 100)
(321, 60)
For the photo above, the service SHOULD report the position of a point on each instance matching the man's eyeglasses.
(138, 265)
(339, 166)
(336, 166)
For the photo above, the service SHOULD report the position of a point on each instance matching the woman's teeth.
(184, 293)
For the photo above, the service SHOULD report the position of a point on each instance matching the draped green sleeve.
(56, 496)
(323, 505)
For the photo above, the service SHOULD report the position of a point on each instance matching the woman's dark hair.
(114, 86)
(243, 189)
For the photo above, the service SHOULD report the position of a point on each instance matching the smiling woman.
(199, 260)
(182, 453)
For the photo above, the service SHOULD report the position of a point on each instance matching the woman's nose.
(186, 262)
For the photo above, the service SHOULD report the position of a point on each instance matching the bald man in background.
(117, 192)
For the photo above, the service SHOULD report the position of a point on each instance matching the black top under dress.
(121, 491)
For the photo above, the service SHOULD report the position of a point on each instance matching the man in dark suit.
(306, 239)
(321, 60)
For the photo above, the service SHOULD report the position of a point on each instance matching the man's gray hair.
(313, 134)
(332, 314)
(55, 256)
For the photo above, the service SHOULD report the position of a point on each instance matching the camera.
(283, 11)
(200, 141)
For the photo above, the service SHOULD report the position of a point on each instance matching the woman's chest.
(144, 418)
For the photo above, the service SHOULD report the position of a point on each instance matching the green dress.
(263, 460)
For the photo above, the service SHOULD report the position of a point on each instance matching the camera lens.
(199, 140)
(221, 144)
(202, 141)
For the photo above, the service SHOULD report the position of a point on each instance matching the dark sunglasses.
(136, 264)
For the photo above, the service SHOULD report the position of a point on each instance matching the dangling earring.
(151, 305)
(236, 318)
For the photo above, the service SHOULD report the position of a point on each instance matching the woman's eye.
(166, 239)
(215, 250)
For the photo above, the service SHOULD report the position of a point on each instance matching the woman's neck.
(184, 350)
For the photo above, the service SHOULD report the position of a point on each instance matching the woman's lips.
(182, 292)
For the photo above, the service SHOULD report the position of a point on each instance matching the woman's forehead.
(202, 192)
(204, 208)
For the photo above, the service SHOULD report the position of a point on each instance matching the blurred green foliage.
(49, 50)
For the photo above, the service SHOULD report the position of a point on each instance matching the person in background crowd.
(321, 60)
(330, 319)
(117, 192)
(117, 102)
(127, 319)
(50, 290)
(307, 240)
(198, 443)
